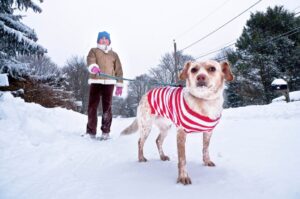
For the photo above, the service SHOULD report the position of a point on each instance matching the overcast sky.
(141, 31)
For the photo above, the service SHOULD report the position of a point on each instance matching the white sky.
(141, 31)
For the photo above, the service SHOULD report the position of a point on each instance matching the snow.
(42, 155)
(16, 24)
(279, 82)
(4, 80)
(294, 96)
(21, 37)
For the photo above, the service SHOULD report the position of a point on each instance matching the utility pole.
(175, 61)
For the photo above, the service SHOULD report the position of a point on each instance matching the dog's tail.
(132, 128)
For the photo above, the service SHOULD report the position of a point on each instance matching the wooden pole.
(175, 61)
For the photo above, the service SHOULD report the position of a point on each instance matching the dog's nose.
(201, 77)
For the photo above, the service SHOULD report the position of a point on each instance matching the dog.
(197, 107)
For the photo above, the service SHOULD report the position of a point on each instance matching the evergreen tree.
(267, 49)
(16, 37)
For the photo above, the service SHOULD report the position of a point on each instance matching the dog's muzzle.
(201, 80)
(201, 83)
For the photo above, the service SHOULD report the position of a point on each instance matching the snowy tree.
(76, 73)
(16, 37)
(162, 75)
(123, 107)
(268, 48)
(40, 67)
(138, 88)
(165, 72)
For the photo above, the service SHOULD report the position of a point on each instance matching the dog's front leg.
(182, 173)
(206, 158)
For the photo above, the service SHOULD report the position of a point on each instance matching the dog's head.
(206, 79)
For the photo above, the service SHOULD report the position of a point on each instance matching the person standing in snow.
(102, 60)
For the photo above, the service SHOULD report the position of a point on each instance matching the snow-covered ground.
(4, 80)
(42, 156)
(294, 96)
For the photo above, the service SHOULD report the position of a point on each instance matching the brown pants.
(97, 91)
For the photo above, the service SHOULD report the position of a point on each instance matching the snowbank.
(42, 155)
(294, 96)
(3, 80)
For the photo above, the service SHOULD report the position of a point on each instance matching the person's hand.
(95, 70)
(119, 91)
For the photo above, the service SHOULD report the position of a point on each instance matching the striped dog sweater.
(168, 102)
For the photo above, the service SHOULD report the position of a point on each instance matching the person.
(102, 60)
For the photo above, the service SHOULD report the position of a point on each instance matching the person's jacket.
(109, 64)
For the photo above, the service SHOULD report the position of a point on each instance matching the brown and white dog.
(202, 97)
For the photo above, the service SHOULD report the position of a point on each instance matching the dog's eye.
(194, 70)
(212, 69)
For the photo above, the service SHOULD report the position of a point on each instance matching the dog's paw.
(184, 180)
(164, 158)
(143, 159)
(209, 164)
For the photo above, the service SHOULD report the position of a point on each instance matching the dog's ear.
(183, 73)
(227, 71)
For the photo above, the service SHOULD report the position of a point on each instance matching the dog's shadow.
(166, 172)
(202, 174)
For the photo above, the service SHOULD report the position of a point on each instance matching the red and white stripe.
(169, 102)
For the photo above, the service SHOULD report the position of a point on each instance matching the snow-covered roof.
(4, 80)
(279, 82)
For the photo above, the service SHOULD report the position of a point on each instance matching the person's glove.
(95, 70)
(118, 91)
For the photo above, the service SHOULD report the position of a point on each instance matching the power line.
(201, 20)
(204, 55)
(225, 57)
(220, 27)
(292, 33)
(286, 34)
(296, 8)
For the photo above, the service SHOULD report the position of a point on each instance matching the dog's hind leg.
(163, 128)
(145, 121)
(206, 158)
(144, 132)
